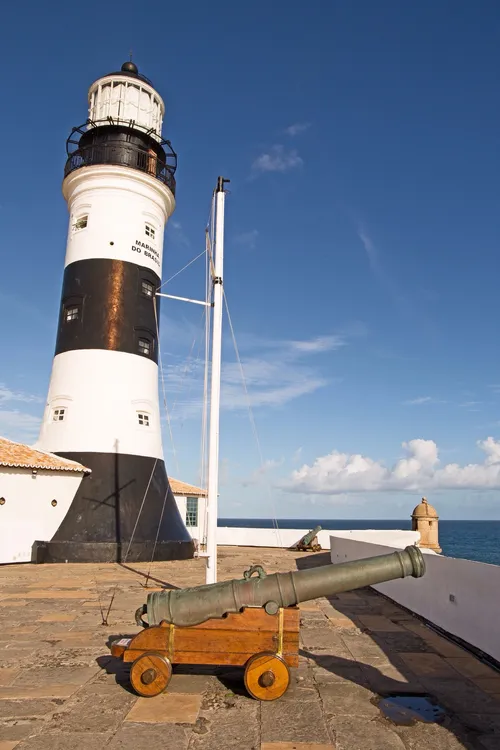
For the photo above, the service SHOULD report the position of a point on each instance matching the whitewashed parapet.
(459, 596)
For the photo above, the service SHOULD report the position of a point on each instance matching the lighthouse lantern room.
(102, 407)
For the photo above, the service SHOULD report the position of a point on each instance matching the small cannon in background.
(252, 622)
(309, 542)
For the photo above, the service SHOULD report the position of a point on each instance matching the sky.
(362, 238)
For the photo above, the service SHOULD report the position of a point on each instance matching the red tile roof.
(20, 456)
(182, 488)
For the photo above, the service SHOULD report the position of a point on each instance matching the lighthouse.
(102, 407)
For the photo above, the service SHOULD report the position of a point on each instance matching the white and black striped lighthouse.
(102, 407)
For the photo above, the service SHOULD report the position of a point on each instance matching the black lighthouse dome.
(130, 67)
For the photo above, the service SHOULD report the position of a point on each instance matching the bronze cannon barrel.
(192, 606)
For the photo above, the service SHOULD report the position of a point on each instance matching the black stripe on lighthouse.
(108, 304)
(123, 511)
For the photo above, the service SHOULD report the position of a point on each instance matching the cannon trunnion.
(252, 623)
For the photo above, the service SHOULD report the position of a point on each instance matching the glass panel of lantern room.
(104, 101)
(117, 99)
(145, 109)
(131, 109)
(156, 115)
(92, 112)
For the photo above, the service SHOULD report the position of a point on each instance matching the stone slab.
(28, 709)
(8, 675)
(352, 733)
(64, 741)
(471, 667)
(53, 594)
(93, 712)
(57, 617)
(227, 724)
(347, 700)
(167, 708)
(447, 736)
(19, 729)
(148, 737)
(293, 721)
(46, 676)
(20, 692)
(430, 665)
(379, 622)
(490, 685)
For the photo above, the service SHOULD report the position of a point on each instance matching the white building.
(192, 504)
(37, 488)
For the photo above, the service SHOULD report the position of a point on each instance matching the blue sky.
(362, 237)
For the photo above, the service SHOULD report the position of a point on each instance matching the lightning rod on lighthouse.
(102, 407)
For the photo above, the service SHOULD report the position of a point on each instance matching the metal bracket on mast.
(185, 299)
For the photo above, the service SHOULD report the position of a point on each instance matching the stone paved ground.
(60, 690)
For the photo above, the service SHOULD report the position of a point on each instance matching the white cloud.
(370, 248)
(297, 128)
(19, 426)
(418, 470)
(277, 159)
(7, 394)
(318, 344)
(177, 234)
(422, 400)
(261, 472)
(247, 239)
(384, 278)
(14, 424)
(275, 373)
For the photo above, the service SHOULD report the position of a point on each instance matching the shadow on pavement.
(384, 650)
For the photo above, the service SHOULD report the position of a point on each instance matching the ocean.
(471, 540)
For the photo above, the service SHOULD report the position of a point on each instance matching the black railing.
(124, 155)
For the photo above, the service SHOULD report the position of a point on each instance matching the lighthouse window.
(80, 223)
(143, 418)
(147, 288)
(71, 313)
(191, 511)
(58, 415)
(150, 231)
(144, 347)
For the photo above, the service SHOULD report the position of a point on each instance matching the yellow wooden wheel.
(150, 674)
(266, 676)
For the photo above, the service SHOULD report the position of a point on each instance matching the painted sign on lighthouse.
(102, 407)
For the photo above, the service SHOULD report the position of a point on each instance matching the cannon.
(251, 622)
(309, 542)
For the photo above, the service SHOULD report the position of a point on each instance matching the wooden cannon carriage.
(265, 645)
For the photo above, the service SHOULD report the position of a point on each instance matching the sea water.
(471, 540)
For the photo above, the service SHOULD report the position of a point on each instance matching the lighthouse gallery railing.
(124, 155)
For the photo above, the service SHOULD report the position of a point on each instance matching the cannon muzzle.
(192, 606)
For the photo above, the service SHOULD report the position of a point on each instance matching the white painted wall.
(254, 537)
(197, 532)
(27, 514)
(102, 392)
(118, 201)
(473, 615)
